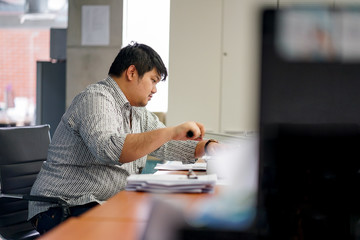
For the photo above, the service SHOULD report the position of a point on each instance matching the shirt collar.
(124, 102)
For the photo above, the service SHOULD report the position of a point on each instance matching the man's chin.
(143, 104)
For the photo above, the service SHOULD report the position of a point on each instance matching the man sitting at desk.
(106, 134)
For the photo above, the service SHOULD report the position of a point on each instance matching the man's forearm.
(138, 145)
(199, 150)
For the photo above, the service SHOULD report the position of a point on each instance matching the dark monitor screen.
(309, 124)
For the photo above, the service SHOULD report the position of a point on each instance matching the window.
(19, 51)
(147, 21)
(24, 40)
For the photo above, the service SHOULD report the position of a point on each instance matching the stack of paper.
(177, 165)
(171, 183)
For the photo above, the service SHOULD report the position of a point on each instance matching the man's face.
(146, 87)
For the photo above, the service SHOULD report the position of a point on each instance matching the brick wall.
(19, 51)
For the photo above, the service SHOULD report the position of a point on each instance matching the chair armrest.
(62, 203)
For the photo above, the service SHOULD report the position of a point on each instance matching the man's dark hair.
(143, 57)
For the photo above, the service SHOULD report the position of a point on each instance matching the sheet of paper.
(177, 165)
(170, 183)
(95, 25)
(175, 178)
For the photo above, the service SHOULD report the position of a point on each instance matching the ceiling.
(33, 13)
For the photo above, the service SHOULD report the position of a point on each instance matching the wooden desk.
(78, 228)
(127, 213)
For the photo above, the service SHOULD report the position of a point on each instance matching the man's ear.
(131, 72)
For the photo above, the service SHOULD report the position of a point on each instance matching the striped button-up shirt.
(83, 157)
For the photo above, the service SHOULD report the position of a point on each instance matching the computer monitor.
(309, 124)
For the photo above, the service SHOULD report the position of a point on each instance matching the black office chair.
(22, 152)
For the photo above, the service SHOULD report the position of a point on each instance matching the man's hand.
(214, 147)
(189, 131)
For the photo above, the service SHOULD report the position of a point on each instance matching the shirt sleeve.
(173, 150)
(100, 125)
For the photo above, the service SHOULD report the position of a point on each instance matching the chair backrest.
(22, 153)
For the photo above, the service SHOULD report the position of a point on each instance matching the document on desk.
(178, 166)
(171, 183)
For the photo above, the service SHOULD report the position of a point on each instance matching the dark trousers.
(45, 221)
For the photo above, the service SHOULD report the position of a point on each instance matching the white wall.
(194, 62)
(213, 63)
